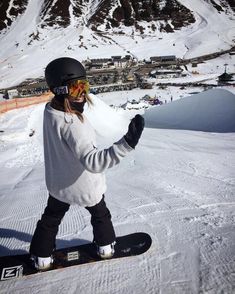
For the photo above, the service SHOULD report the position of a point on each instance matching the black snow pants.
(44, 239)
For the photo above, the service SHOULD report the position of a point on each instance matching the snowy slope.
(212, 30)
(217, 115)
(178, 185)
(27, 47)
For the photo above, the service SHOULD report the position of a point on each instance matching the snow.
(178, 186)
(210, 111)
(179, 183)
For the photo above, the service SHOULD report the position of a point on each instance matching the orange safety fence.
(23, 102)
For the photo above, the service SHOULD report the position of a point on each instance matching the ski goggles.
(74, 88)
(78, 87)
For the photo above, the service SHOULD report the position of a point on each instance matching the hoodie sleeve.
(97, 161)
(94, 160)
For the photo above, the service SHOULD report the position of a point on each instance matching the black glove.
(135, 130)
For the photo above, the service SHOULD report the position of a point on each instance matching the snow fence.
(23, 102)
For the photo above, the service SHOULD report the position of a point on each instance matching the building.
(12, 93)
(168, 59)
(165, 72)
(225, 78)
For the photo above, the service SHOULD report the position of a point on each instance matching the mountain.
(32, 32)
(110, 14)
(105, 15)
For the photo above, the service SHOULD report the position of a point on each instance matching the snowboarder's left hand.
(135, 130)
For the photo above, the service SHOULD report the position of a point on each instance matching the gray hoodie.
(74, 167)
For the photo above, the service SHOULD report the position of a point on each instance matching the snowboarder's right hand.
(135, 130)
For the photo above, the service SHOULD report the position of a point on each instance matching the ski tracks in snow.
(177, 186)
(188, 209)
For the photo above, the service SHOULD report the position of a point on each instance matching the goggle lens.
(78, 87)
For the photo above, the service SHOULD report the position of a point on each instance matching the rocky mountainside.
(106, 15)
(34, 32)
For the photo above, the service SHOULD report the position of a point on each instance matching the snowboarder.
(74, 167)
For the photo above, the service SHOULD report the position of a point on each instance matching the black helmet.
(59, 71)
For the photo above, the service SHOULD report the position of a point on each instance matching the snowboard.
(16, 266)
